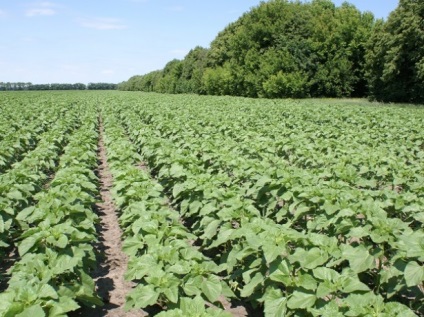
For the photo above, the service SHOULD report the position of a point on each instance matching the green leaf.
(211, 229)
(361, 304)
(193, 285)
(307, 281)
(275, 303)
(262, 182)
(310, 259)
(226, 290)
(301, 300)
(171, 313)
(65, 305)
(24, 214)
(215, 312)
(325, 274)
(352, 284)
(207, 209)
(8, 309)
(132, 245)
(64, 263)
(47, 291)
(172, 294)
(223, 237)
(287, 196)
(300, 211)
(212, 288)
(32, 311)
(176, 170)
(142, 296)
(62, 242)
(195, 206)
(192, 307)
(26, 245)
(280, 273)
(413, 244)
(250, 287)
(329, 309)
(178, 188)
(414, 274)
(15, 194)
(359, 258)
(325, 288)
(3, 244)
(179, 268)
(272, 251)
(398, 309)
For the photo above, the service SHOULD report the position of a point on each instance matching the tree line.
(297, 49)
(55, 86)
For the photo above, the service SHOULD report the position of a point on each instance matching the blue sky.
(68, 41)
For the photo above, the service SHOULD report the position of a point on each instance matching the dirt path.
(109, 276)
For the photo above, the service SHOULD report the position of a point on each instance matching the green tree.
(395, 58)
(280, 48)
(193, 67)
(171, 74)
(281, 40)
(218, 81)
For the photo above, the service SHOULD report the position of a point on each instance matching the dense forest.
(300, 49)
(55, 86)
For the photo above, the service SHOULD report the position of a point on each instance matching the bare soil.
(5, 264)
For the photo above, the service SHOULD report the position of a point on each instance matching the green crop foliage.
(293, 208)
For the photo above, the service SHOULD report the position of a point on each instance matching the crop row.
(17, 112)
(170, 271)
(228, 221)
(56, 234)
(312, 210)
(368, 170)
(27, 177)
(15, 146)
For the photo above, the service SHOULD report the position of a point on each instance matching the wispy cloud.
(102, 24)
(175, 8)
(2, 13)
(48, 4)
(42, 9)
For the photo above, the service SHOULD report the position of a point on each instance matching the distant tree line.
(55, 86)
(300, 49)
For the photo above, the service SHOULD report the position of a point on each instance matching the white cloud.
(175, 8)
(48, 4)
(103, 24)
(40, 11)
(43, 8)
(2, 13)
